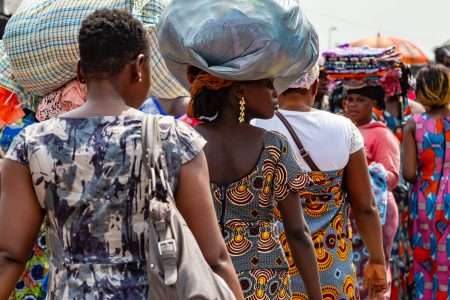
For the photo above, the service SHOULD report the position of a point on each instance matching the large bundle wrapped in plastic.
(41, 39)
(239, 39)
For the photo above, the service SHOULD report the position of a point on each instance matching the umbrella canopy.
(410, 53)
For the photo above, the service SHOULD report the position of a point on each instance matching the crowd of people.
(299, 175)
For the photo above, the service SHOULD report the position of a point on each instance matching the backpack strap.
(304, 154)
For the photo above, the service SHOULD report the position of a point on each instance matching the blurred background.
(426, 24)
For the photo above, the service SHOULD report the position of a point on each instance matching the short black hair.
(109, 40)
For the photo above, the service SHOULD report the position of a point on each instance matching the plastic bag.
(238, 39)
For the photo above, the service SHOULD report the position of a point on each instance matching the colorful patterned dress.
(33, 283)
(327, 214)
(89, 178)
(245, 211)
(430, 209)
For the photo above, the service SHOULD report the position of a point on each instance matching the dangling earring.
(242, 110)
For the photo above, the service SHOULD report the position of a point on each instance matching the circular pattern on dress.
(330, 292)
(324, 258)
(239, 244)
(42, 242)
(350, 288)
(313, 206)
(331, 241)
(246, 284)
(266, 241)
(274, 153)
(280, 182)
(240, 195)
(37, 272)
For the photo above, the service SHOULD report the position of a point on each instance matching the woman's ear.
(315, 87)
(80, 74)
(140, 67)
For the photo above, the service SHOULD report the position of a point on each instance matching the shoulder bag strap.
(304, 154)
(159, 209)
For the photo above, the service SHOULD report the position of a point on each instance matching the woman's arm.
(195, 203)
(300, 243)
(362, 202)
(20, 222)
(409, 152)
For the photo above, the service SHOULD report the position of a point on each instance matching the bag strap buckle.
(167, 249)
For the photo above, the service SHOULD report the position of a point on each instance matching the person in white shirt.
(330, 146)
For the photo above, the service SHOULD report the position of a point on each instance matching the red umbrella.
(409, 53)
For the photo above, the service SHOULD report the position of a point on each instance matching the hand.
(375, 280)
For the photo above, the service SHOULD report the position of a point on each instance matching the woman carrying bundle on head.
(426, 165)
(235, 55)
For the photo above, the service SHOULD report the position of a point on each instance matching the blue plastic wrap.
(239, 39)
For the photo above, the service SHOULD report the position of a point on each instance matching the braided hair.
(433, 86)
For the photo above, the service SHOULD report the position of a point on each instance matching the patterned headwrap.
(307, 80)
(202, 81)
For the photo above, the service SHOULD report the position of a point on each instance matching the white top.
(328, 138)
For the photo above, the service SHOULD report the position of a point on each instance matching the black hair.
(375, 93)
(109, 40)
(337, 96)
(405, 80)
(208, 104)
(442, 55)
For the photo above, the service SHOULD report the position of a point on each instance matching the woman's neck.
(363, 122)
(228, 124)
(295, 102)
(439, 111)
(300, 107)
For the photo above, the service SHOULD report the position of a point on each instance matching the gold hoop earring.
(242, 110)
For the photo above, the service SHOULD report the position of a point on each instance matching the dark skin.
(175, 107)
(394, 108)
(357, 184)
(409, 145)
(322, 90)
(107, 96)
(359, 109)
(238, 146)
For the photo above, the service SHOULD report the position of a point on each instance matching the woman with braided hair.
(426, 148)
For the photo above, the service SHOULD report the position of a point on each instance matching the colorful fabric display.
(9, 132)
(10, 108)
(356, 67)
